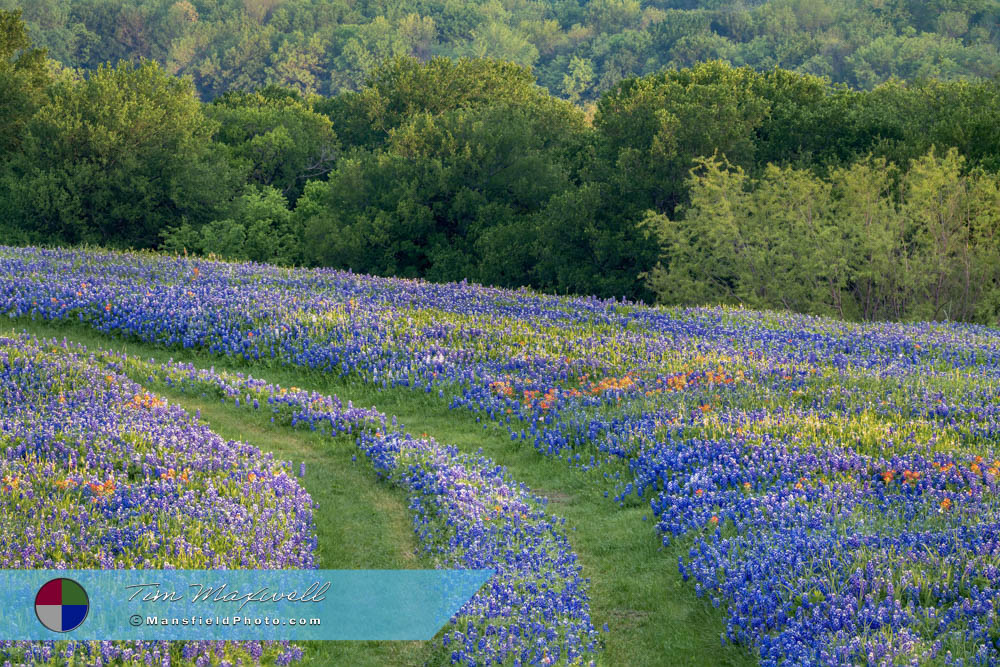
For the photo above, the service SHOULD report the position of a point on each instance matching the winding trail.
(653, 616)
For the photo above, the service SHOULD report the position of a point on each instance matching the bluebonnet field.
(466, 511)
(100, 473)
(836, 483)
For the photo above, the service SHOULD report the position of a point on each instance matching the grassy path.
(361, 523)
(653, 616)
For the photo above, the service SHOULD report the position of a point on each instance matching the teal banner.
(232, 604)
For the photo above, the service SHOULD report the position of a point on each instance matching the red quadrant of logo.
(50, 593)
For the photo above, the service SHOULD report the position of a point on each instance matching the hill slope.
(834, 487)
(578, 49)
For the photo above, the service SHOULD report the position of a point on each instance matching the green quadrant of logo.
(73, 593)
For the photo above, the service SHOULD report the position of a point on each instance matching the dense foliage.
(578, 49)
(847, 245)
(467, 169)
(838, 485)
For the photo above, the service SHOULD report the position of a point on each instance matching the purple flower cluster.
(468, 514)
(835, 483)
(99, 473)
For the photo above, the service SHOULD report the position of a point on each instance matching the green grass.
(653, 616)
(360, 522)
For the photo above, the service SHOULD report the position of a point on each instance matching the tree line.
(702, 184)
(578, 49)
(869, 241)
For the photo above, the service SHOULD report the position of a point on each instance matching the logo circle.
(61, 605)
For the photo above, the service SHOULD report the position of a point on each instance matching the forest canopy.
(577, 49)
(704, 183)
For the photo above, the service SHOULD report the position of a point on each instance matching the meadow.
(828, 490)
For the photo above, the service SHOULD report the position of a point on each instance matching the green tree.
(801, 261)
(877, 251)
(704, 256)
(496, 40)
(946, 212)
(651, 129)
(579, 79)
(404, 87)
(580, 249)
(772, 243)
(116, 157)
(233, 54)
(805, 121)
(447, 198)
(259, 229)
(23, 78)
(985, 241)
(332, 46)
(847, 245)
(276, 137)
(298, 63)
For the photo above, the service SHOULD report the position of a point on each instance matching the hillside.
(577, 49)
(706, 184)
(829, 489)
